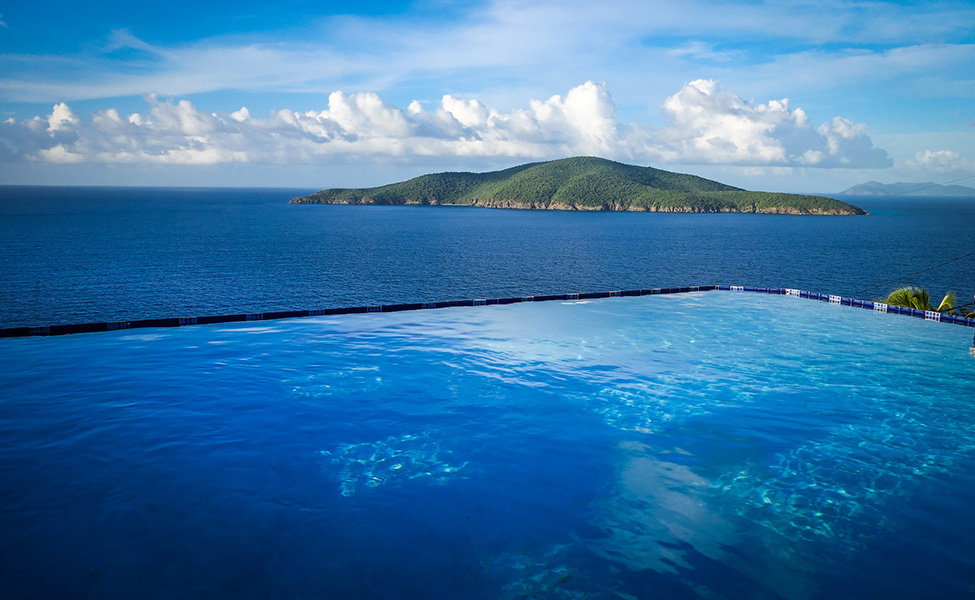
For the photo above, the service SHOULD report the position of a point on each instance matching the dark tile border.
(291, 314)
(880, 307)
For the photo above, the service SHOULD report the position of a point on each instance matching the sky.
(780, 95)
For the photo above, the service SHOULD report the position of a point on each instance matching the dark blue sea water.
(71, 255)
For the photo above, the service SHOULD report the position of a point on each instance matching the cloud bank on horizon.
(874, 87)
(706, 125)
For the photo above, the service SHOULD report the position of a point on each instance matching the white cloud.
(849, 144)
(60, 154)
(469, 114)
(62, 118)
(702, 51)
(550, 42)
(587, 113)
(362, 115)
(932, 69)
(942, 161)
(708, 125)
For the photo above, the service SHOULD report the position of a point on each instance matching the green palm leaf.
(910, 297)
(918, 298)
(948, 303)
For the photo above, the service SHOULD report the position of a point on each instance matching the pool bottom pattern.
(393, 460)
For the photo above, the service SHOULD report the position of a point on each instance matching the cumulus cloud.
(707, 125)
(62, 117)
(942, 161)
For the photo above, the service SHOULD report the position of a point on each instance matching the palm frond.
(910, 297)
(948, 303)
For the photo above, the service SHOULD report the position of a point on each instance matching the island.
(875, 188)
(583, 183)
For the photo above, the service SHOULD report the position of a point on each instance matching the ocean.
(698, 445)
(70, 255)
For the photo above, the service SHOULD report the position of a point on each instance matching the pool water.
(705, 445)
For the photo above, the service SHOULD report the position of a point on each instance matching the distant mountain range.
(874, 188)
(583, 183)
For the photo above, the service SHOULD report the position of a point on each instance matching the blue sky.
(792, 96)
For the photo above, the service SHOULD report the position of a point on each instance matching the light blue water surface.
(708, 445)
(74, 255)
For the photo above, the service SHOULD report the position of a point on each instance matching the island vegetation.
(583, 183)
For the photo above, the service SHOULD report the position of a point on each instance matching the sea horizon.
(76, 254)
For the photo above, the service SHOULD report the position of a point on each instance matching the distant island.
(583, 183)
(874, 188)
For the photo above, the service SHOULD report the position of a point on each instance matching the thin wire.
(962, 306)
(913, 274)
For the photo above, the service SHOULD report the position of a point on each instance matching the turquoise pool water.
(708, 445)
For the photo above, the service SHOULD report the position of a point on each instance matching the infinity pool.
(708, 445)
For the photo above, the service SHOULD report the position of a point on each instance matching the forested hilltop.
(583, 183)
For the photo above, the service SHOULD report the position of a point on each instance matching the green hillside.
(583, 183)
